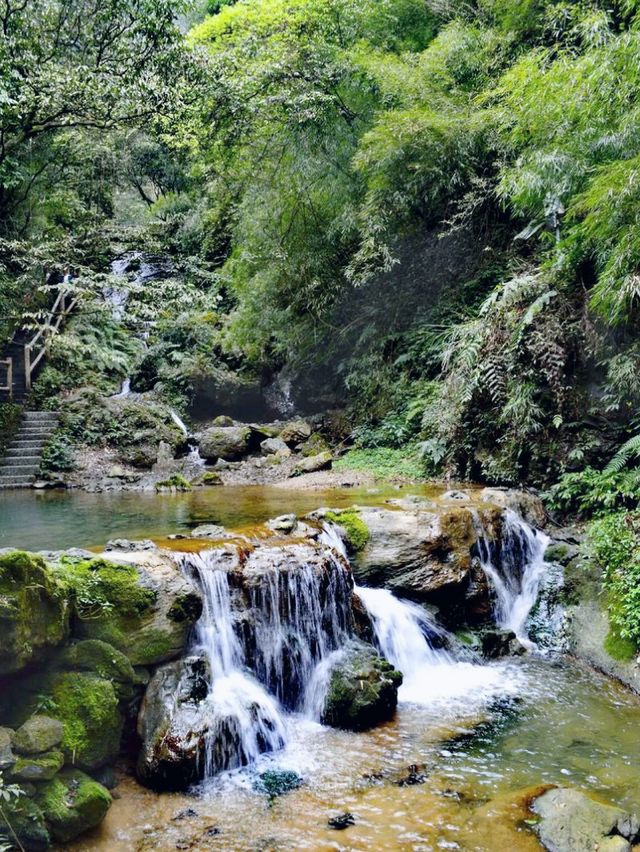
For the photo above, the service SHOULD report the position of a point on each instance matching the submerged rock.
(571, 821)
(34, 613)
(362, 690)
(276, 782)
(341, 821)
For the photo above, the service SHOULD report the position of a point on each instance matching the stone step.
(15, 482)
(7, 469)
(24, 453)
(36, 430)
(40, 416)
(27, 444)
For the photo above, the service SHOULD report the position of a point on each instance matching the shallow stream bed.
(521, 724)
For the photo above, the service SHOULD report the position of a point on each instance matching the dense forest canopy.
(423, 211)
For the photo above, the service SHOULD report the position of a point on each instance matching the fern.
(629, 450)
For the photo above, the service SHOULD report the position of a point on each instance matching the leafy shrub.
(57, 456)
(589, 492)
(615, 543)
(10, 415)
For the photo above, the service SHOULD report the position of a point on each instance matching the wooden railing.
(35, 350)
(8, 364)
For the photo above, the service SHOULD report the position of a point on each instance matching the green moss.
(383, 463)
(186, 608)
(150, 646)
(87, 706)
(37, 767)
(72, 803)
(176, 480)
(619, 648)
(99, 583)
(33, 610)
(210, 478)
(355, 528)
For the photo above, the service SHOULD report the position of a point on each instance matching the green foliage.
(384, 462)
(615, 543)
(10, 415)
(589, 492)
(57, 456)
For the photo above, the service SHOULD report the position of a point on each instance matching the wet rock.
(72, 803)
(187, 813)
(571, 821)
(295, 432)
(284, 524)
(362, 691)
(525, 504)
(7, 757)
(428, 554)
(271, 446)
(341, 821)
(212, 531)
(173, 725)
(413, 777)
(309, 465)
(462, 496)
(34, 613)
(225, 442)
(125, 545)
(38, 734)
(501, 643)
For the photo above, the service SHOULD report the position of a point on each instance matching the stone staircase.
(21, 463)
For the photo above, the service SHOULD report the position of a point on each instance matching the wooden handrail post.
(27, 366)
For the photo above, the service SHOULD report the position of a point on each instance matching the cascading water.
(301, 616)
(182, 426)
(514, 570)
(405, 634)
(243, 719)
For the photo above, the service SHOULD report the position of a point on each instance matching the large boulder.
(172, 725)
(71, 804)
(295, 432)
(93, 655)
(362, 689)
(37, 767)
(571, 821)
(322, 461)
(225, 442)
(427, 552)
(34, 614)
(138, 602)
(271, 446)
(527, 505)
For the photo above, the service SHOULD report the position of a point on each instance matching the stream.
(468, 738)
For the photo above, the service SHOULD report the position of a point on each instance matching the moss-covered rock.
(72, 803)
(38, 734)
(7, 757)
(23, 818)
(139, 603)
(38, 767)
(363, 690)
(33, 611)
(311, 464)
(87, 706)
(93, 655)
(356, 532)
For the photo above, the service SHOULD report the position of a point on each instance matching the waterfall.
(125, 389)
(300, 616)
(514, 570)
(182, 426)
(243, 719)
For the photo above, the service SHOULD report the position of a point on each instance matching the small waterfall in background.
(244, 720)
(514, 570)
(278, 396)
(182, 426)
(125, 389)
